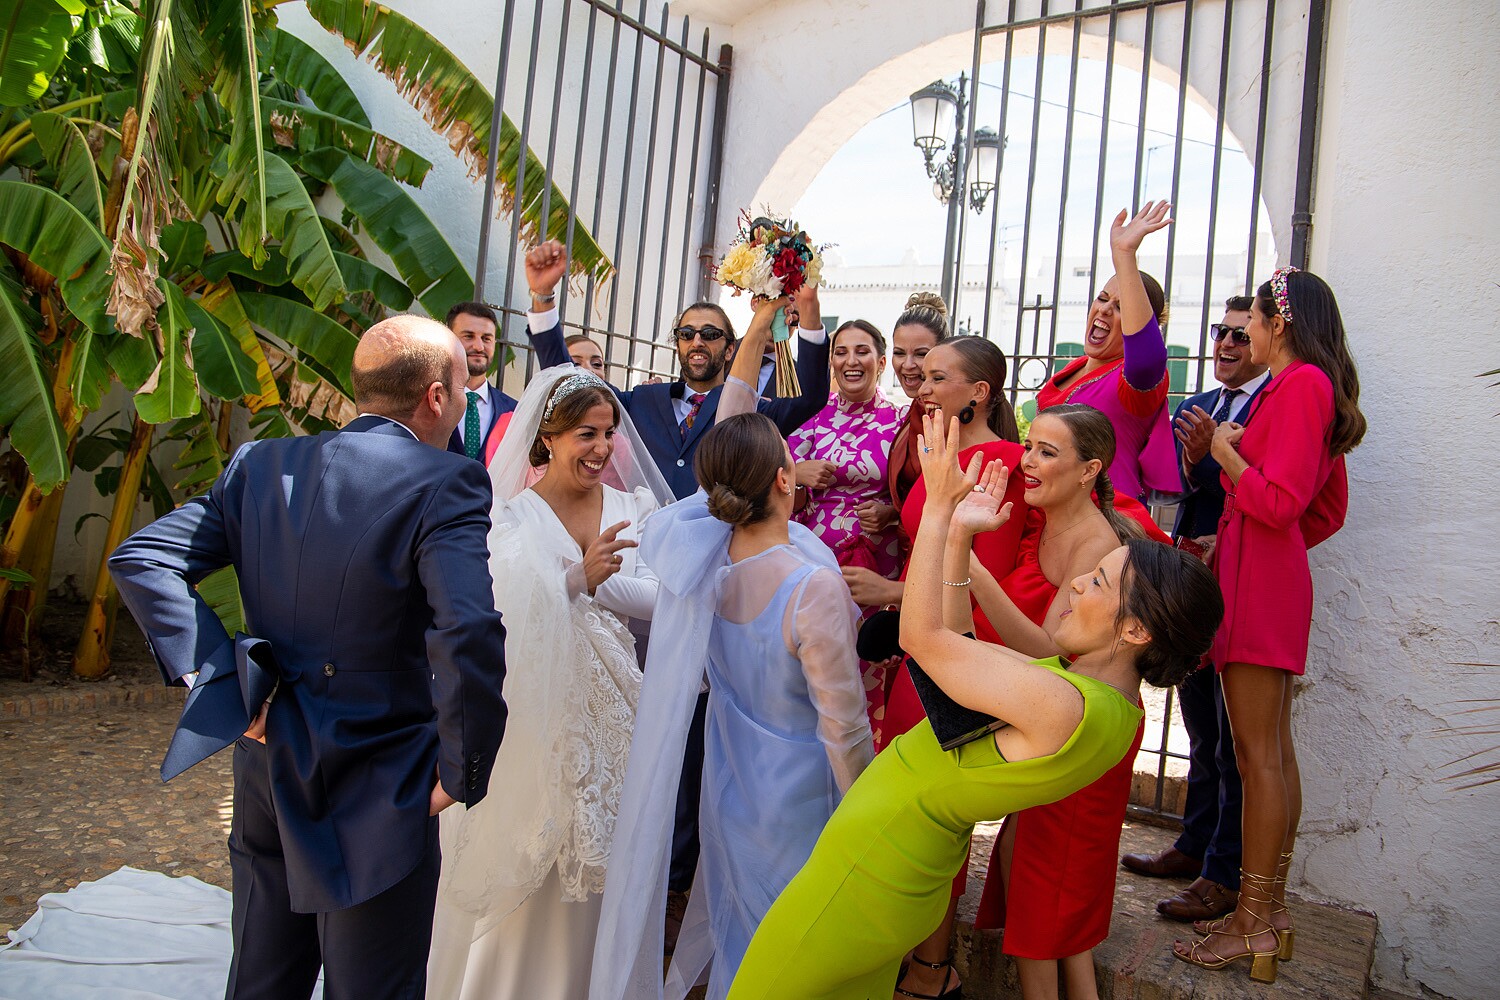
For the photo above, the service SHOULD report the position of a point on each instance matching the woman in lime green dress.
(877, 881)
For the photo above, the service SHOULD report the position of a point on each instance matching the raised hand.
(984, 508)
(1226, 441)
(546, 264)
(938, 450)
(804, 309)
(603, 559)
(1127, 236)
(1195, 429)
(815, 474)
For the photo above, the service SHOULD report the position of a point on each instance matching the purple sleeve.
(1145, 357)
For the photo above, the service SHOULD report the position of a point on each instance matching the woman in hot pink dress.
(842, 455)
(1283, 474)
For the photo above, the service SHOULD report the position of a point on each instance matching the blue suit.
(500, 404)
(650, 407)
(363, 571)
(1211, 816)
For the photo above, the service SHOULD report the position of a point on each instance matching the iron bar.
(666, 240)
(1120, 7)
(497, 116)
(1140, 132)
(625, 186)
(1260, 145)
(989, 271)
(640, 250)
(657, 36)
(1036, 123)
(583, 116)
(1307, 142)
(1182, 79)
(692, 185)
(1109, 80)
(1213, 193)
(603, 171)
(1062, 199)
(715, 171)
(523, 146)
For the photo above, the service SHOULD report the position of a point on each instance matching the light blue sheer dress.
(786, 735)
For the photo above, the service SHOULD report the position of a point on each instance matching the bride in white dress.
(523, 872)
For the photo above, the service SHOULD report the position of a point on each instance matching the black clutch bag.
(952, 723)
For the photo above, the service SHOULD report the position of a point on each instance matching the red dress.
(1062, 876)
(1293, 496)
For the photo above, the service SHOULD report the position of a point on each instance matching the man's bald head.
(398, 359)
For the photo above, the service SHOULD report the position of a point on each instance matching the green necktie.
(471, 426)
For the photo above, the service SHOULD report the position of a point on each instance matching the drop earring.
(966, 415)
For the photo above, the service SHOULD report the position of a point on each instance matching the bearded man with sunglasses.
(1209, 848)
(672, 417)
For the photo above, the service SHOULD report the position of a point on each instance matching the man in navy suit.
(672, 417)
(366, 698)
(1209, 848)
(474, 324)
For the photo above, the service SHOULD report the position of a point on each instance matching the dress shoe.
(1203, 900)
(676, 909)
(1170, 863)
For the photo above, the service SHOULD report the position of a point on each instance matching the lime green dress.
(878, 880)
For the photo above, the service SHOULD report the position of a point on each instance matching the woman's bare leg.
(1078, 976)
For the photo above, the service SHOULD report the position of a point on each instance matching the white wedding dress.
(523, 872)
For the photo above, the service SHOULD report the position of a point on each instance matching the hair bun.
(728, 506)
(932, 300)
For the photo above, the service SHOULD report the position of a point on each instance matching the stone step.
(1335, 946)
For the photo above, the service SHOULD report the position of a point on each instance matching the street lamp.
(963, 175)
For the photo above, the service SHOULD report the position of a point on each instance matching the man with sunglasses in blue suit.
(672, 417)
(1209, 848)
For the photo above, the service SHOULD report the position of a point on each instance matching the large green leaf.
(398, 226)
(26, 404)
(110, 39)
(223, 367)
(299, 64)
(68, 153)
(459, 108)
(294, 221)
(223, 302)
(133, 359)
(183, 244)
(90, 377)
(237, 84)
(362, 276)
(34, 37)
(60, 240)
(272, 273)
(172, 390)
(295, 126)
(312, 333)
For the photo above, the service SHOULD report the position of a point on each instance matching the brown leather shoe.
(676, 910)
(1203, 900)
(1170, 863)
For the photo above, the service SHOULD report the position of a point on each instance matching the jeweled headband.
(1278, 292)
(570, 385)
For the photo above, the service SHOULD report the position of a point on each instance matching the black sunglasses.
(1236, 334)
(708, 334)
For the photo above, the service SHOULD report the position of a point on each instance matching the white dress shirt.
(1237, 406)
(485, 409)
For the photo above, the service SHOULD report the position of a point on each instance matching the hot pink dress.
(856, 438)
(1293, 496)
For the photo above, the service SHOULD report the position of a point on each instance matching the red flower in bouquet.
(787, 266)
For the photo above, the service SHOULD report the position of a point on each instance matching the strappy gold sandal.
(1286, 935)
(1253, 888)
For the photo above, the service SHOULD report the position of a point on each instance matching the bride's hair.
(568, 412)
(736, 464)
(1176, 598)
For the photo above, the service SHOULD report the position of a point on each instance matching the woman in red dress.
(1058, 861)
(1284, 476)
(962, 377)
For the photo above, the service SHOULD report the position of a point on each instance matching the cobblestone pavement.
(81, 795)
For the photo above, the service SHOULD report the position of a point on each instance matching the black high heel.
(957, 993)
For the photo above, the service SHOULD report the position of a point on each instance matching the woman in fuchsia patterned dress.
(842, 456)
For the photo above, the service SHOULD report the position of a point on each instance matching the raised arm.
(739, 395)
(812, 367)
(1145, 349)
(1043, 708)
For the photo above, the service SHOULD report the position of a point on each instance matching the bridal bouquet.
(770, 258)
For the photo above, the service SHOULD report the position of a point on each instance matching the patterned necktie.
(471, 426)
(1225, 402)
(696, 399)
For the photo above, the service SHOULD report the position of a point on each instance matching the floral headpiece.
(1278, 292)
(571, 385)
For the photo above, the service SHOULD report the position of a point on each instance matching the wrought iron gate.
(644, 106)
(1255, 65)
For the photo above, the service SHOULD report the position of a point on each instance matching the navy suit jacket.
(650, 407)
(364, 574)
(1202, 501)
(500, 403)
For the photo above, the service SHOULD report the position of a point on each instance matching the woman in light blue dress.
(757, 604)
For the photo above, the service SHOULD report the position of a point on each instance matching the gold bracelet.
(950, 583)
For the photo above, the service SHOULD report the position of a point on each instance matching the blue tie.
(1225, 402)
(471, 426)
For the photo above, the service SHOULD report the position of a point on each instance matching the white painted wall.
(1405, 230)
